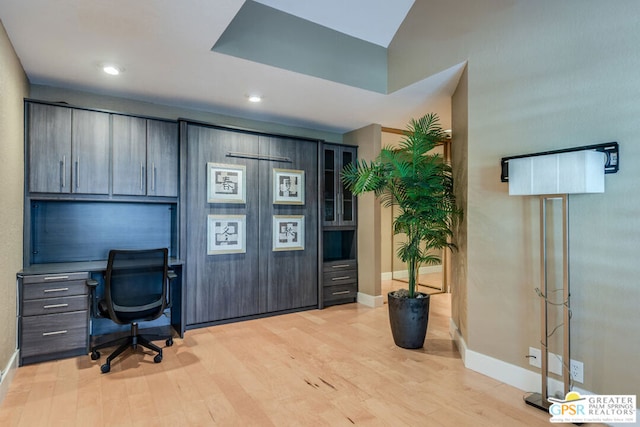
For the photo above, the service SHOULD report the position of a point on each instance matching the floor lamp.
(552, 176)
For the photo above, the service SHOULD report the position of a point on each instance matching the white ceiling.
(165, 49)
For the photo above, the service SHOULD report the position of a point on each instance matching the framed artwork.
(288, 186)
(226, 234)
(226, 183)
(288, 232)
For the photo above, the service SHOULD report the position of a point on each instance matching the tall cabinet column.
(339, 225)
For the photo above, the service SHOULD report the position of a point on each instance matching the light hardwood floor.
(332, 367)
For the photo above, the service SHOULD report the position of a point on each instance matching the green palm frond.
(420, 184)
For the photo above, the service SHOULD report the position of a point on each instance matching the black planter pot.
(408, 318)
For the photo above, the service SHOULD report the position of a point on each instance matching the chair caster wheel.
(169, 342)
(95, 355)
(157, 358)
(105, 368)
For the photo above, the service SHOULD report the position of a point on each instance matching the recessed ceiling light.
(112, 70)
(255, 98)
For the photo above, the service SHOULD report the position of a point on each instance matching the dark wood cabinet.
(53, 316)
(339, 229)
(220, 286)
(68, 150)
(340, 281)
(129, 155)
(162, 158)
(259, 280)
(340, 267)
(77, 151)
(49, 147)
(339, 204)
(90, 148)
(145, 157)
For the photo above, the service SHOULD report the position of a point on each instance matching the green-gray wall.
(13, 88)
(540, 75)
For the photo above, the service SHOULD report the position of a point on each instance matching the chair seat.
(140, 312)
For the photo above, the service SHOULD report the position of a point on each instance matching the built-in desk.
(54, 315)
(74, 267)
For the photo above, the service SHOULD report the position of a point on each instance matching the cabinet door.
(49, 144)
(290, 277)
(221, 286)
(162, 158)
(339, 204)
(329, 166)
(90, 151)
(129, 155)
(347, 201)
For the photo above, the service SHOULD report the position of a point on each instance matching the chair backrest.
(136, 284)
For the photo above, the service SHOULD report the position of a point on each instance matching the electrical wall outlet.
(577, 371)
(535, 357)
(554, 363)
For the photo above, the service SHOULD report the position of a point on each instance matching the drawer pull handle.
(56, 305)
(341, 278)
(341, 293)
(46, 334)
(340, 266)
(56, 278)
(56, 290)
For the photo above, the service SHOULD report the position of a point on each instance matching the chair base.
(133, 340)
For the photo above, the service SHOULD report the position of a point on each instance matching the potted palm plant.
(420, 184)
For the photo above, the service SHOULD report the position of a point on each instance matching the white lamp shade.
(572, 172)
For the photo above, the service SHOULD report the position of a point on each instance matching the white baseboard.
(8, 374)
(387, 275)
(370, 300)
(513, 375)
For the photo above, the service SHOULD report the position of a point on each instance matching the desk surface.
(74, 267)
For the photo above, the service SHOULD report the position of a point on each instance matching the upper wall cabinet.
(145, 157)
(68, 150)
(339, 207)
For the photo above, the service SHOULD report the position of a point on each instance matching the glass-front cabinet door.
(339, 205)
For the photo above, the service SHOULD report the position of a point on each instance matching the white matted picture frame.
(288, 232)
(226, 183)
(226, 234)
(288, 186)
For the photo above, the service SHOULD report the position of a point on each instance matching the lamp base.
(536, 400)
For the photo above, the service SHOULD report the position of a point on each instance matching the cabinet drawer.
(37, 307)
(340, 277)
(339, 292)
(51, 278)
(53, 289)
(54, 333)
(347, 264)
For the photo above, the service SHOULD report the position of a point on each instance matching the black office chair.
(136, 288)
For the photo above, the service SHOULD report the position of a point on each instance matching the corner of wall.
(14, 87)
(7, 375)
(459, 156)
(369, 142)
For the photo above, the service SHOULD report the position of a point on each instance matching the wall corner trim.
(370, 300)
(507, 373)
(8, 374)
